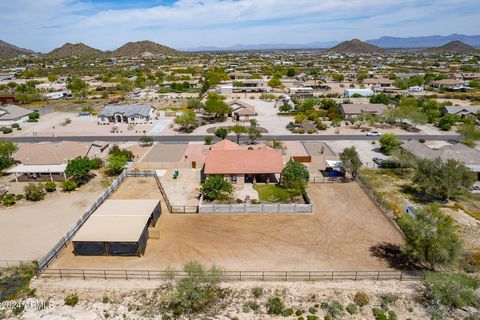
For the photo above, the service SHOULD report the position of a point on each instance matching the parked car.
(373, 134)
(378, 160)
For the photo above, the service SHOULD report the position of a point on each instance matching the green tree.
(76, 84)
(442, 179)
(34, 192)
(295, 177)
(208, 140)
(194, 103)
(351, 161)
(388, 143)
(7, 149)
(116, 150)
(470, 132)
(52, 77)
(285, 108)
(216, 188)
(69, 185)
(380, 98)
(215, 104)
(116, 163)
(186, 120)
(79, 168)
(275, 82)
(446, 122)
(221, 133)
(430, 237)
(238, 130)
(338, 77)
(253, 132)
(291, 72)
(198, 291)
(146, 141)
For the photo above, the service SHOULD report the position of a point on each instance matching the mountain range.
(147, 48)
(421, 42)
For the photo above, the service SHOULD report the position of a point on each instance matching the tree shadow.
(393, 255)
(416, 195)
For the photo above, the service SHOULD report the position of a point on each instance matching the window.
(233, 178)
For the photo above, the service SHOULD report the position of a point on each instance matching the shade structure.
(117, 228)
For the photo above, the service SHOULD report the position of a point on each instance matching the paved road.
(188, 138)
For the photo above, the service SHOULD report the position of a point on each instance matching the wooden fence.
(87, 274)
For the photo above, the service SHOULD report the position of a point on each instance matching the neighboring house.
(459, 152)
(247, 85)
(461, 111)
(352, 110)
(380, 82)
(242, 111)
(241, 166)
(7, 98)
(10, 114)
(301, 92)
(48, 161)
(348, 93)
(239, 75)
(131, 114)
(449, 84)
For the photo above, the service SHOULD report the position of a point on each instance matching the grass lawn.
(271, 193)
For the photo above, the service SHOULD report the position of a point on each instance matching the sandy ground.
(183, 191)
(165, 153)
(339, 235)
(30, 229)
(141, 299)
(366, 150)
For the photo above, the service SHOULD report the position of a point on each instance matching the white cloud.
(45, 24)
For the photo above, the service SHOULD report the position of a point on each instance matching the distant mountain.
(424, 42)
(143, 48)
(8, 51)
(74, 49)
(355, 46)
(268, 46)
(452, 47)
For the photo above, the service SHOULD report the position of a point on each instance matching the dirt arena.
(339, 235)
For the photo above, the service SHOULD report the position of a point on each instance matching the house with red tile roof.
(239, 165)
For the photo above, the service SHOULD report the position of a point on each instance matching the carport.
(117, 228)
(38, 171)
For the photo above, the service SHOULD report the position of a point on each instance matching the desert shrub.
(15, 125)
(352, 308)
(8, 200)
(198, 291)
(287, 312)
(19, 197)
(71, 300)
(454, 290)
(69, 185)
(14, 284)
(312, 310)
(311, 131)
(312, 317)
(275, 306)
(251, 305)
(257, 292)
(335, 309)
(50, 186)
(7, 130)
(105, 299)
(208, 140)
(299, 312)
(34, 192)
(328, 317)
(386, 299)
(361, 299)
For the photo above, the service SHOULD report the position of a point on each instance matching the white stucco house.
(131, 114)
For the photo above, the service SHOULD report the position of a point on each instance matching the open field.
(339, 235)
(29, 230)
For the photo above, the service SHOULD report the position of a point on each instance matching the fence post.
(105, 274)
(148, 273)
(401, 275)
(332, 275)
(263, 275)
(378, 275)
(309, 275)
(286, 275)
(60, 272)
(356, 274)
(83, 273)
(126, 274)
(240, 275)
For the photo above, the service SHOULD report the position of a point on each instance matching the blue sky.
(106, 24)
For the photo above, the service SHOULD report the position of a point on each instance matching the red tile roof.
(228, 161)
